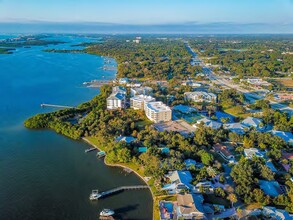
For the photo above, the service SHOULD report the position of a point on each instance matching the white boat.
(107, 212)
(95, 195)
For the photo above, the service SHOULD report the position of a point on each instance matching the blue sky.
(148, 11)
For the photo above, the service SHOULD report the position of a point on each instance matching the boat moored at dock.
(107, 213)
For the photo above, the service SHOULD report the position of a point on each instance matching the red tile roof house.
(224, 152)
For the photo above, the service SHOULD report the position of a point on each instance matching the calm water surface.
(44, 175)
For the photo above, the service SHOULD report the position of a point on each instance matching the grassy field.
(233, 111)
(286, 82)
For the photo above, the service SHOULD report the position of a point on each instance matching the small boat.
(95, 195)
(107, 212)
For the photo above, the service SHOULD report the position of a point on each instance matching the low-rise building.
(252, 122)
(236, 127)
(116, 101)
(274, 213)
(123, 80)
(224, 152)
(209, 123)
(127, 139)
(271, 188)
(180, 180)
(286, 136)
(191, 83)
(145, 90)
(118, 89)
(190, 206)
(200, 96)
(158, 112)
(253, 152)
(139, 102)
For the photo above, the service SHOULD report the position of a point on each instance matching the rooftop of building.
(158, 106)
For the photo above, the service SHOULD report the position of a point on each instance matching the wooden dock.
(55, 106)
(122, 188)
(90, 149)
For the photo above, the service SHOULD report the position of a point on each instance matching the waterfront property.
(180, 180)
(118, 89)
(123, 80)
(116, 101)
(139, 102)
(200, 97)
(190, 206)
(145, 90)
(158, 112)
(126, 139)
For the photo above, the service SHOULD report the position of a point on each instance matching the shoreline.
(124, 167)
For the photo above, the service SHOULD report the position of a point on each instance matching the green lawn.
(233, 111)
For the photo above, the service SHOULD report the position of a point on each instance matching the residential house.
(271, 188)
(253, 152)
(209, 123)
(253, 122)
(189, 163)
(158, 112)
(127, 139)
(200, 96)
(287, 136)
(236, 127)
(190, 206)
(116, 100)
(224, 152)
(180, 180)
(138, 102)
(271, 166)
(206, 187)
(123, 80)
(274, 213)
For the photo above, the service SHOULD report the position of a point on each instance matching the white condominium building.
(158, 112)
(200, 96)
(139, 102)
(116, 100)
(118, 89)
(141, 91)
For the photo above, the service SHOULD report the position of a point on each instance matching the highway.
(251, 96)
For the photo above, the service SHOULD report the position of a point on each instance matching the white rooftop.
(143, 98)
(158, 106)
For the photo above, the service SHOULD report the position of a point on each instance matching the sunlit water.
(44, 175)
